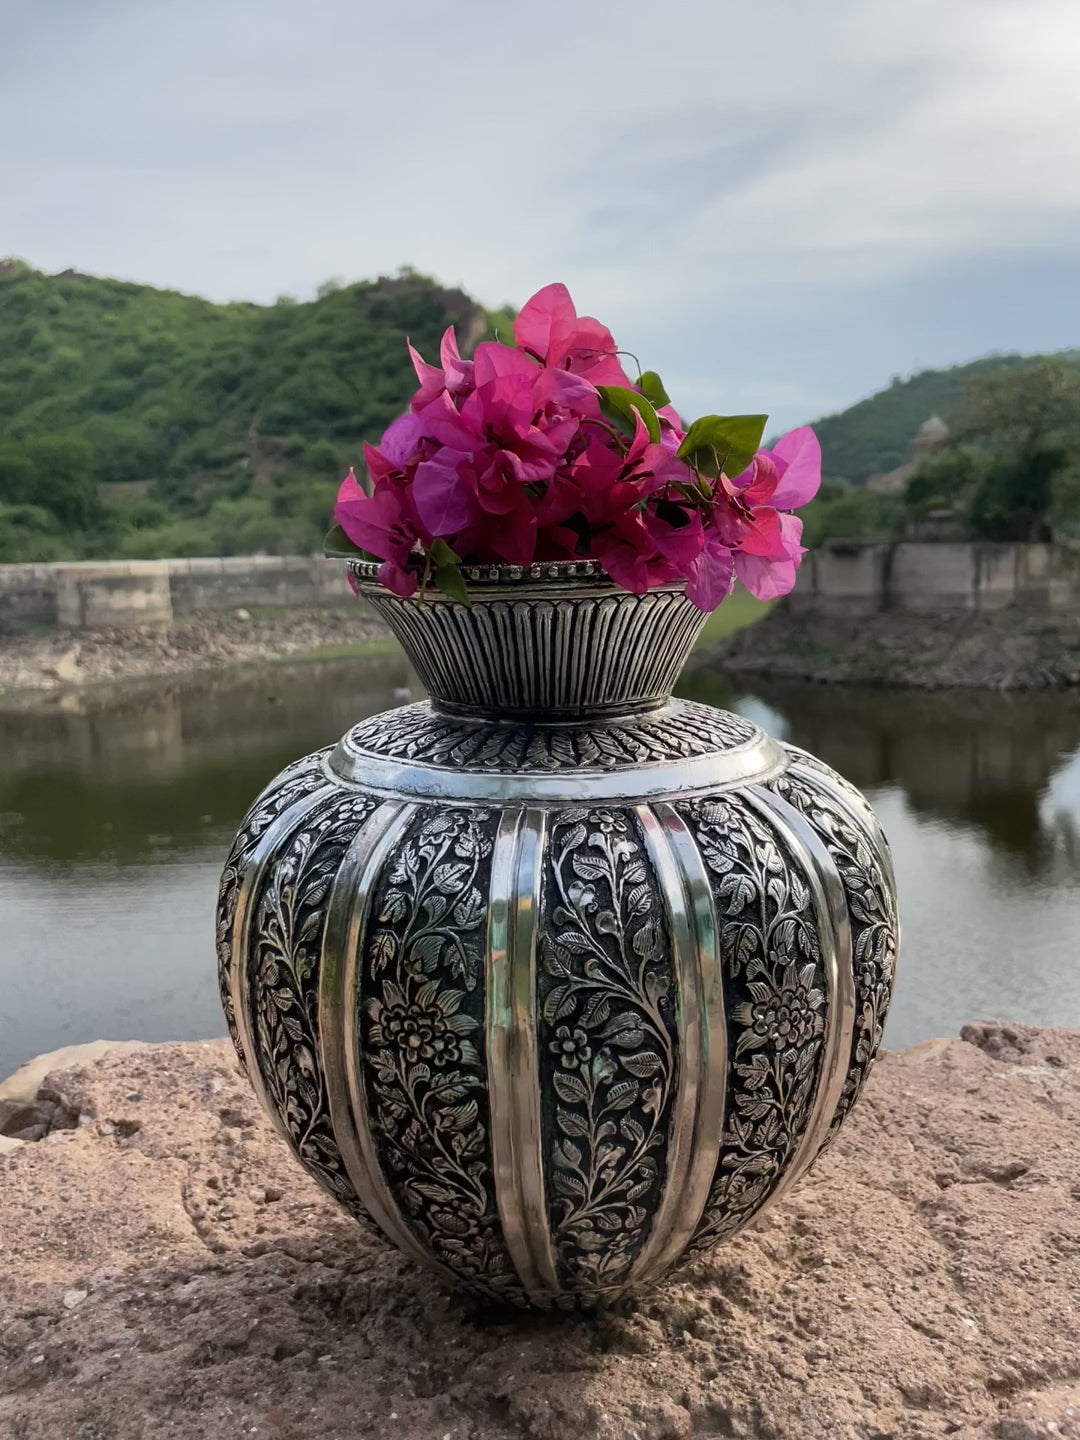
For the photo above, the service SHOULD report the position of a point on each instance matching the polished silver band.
(697, 1122)
(755, 763)
(513, 1067)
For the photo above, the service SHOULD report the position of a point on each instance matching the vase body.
(555, 980)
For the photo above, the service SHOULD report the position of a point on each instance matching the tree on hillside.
(1028, 419)
(1010, 471)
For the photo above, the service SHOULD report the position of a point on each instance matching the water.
(115, 815)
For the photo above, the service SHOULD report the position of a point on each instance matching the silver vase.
(553, 979)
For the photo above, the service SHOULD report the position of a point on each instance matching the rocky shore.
(49, 661)
(1007, 649)
(166, 1270)
(1011, 649)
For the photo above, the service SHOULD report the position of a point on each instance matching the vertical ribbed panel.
(583, 654)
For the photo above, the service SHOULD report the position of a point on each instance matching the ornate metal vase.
(553, 979)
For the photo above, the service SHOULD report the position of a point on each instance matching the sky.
(778, 204)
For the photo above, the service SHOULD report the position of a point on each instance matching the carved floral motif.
(421, 1019)
(874, 932)
(287, 933)
(297, 780)
(608, 1044)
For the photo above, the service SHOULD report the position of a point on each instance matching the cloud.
(706, 175)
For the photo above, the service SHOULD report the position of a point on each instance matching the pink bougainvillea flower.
(455, 375)
(459, 373)
(788, 475)
(395, 450)
(757, 483)
(550, 329)
(768, 577)
(641, 548)
(432, 379)
(509, 457)
(500, 413)
(385, 525)
(445, 497)
(711, 575)
(797, 456)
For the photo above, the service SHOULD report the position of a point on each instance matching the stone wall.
(865, 577)
(110, 594)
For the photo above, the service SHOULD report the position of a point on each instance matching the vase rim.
(562, 574)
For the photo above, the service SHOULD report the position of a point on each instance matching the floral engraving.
(874, 930)
(421, 1022)
(416, 732)
(776, 1003)
(297, 780)
(286, 941)
(607, 1044)
(802, 760)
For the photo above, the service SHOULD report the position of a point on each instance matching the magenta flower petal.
(711, 576)
(432, 380)
(800, 475)
(448, 349)
(401, 438)
(549, 309)
(493, 360)
(561, 388)
(350, 488)
(400, 581)
(440, 421)
(445, 500)
(765, 579)
(763, 536)
(378, 523)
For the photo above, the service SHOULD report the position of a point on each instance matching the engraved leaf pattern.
(420, 1024)
(284, 965)
(775, 991)
(874, 929)
(416, 732)
(301, 778)
(607, 1039)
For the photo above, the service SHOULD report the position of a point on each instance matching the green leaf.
(441, 554)
(653, 389)
(619, 404)
(723, 443)
(338, 546)
(449, 579)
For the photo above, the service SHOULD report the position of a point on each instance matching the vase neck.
(545, 653)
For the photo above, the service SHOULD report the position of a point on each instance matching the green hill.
(875, 435)
(143, 422)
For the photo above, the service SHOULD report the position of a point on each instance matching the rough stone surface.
(1008, 649)
(923, 1282)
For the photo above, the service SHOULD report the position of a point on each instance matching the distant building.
(930, 435)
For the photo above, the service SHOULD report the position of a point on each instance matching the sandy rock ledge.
(166, 1270)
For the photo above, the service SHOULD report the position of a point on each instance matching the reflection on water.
(115, 815)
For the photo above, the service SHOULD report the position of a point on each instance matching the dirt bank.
(1009, 649)
(166, 1271)
(54, 660)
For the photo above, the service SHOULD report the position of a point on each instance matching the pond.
(116, 812)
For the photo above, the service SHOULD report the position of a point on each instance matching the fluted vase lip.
(551, 641)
